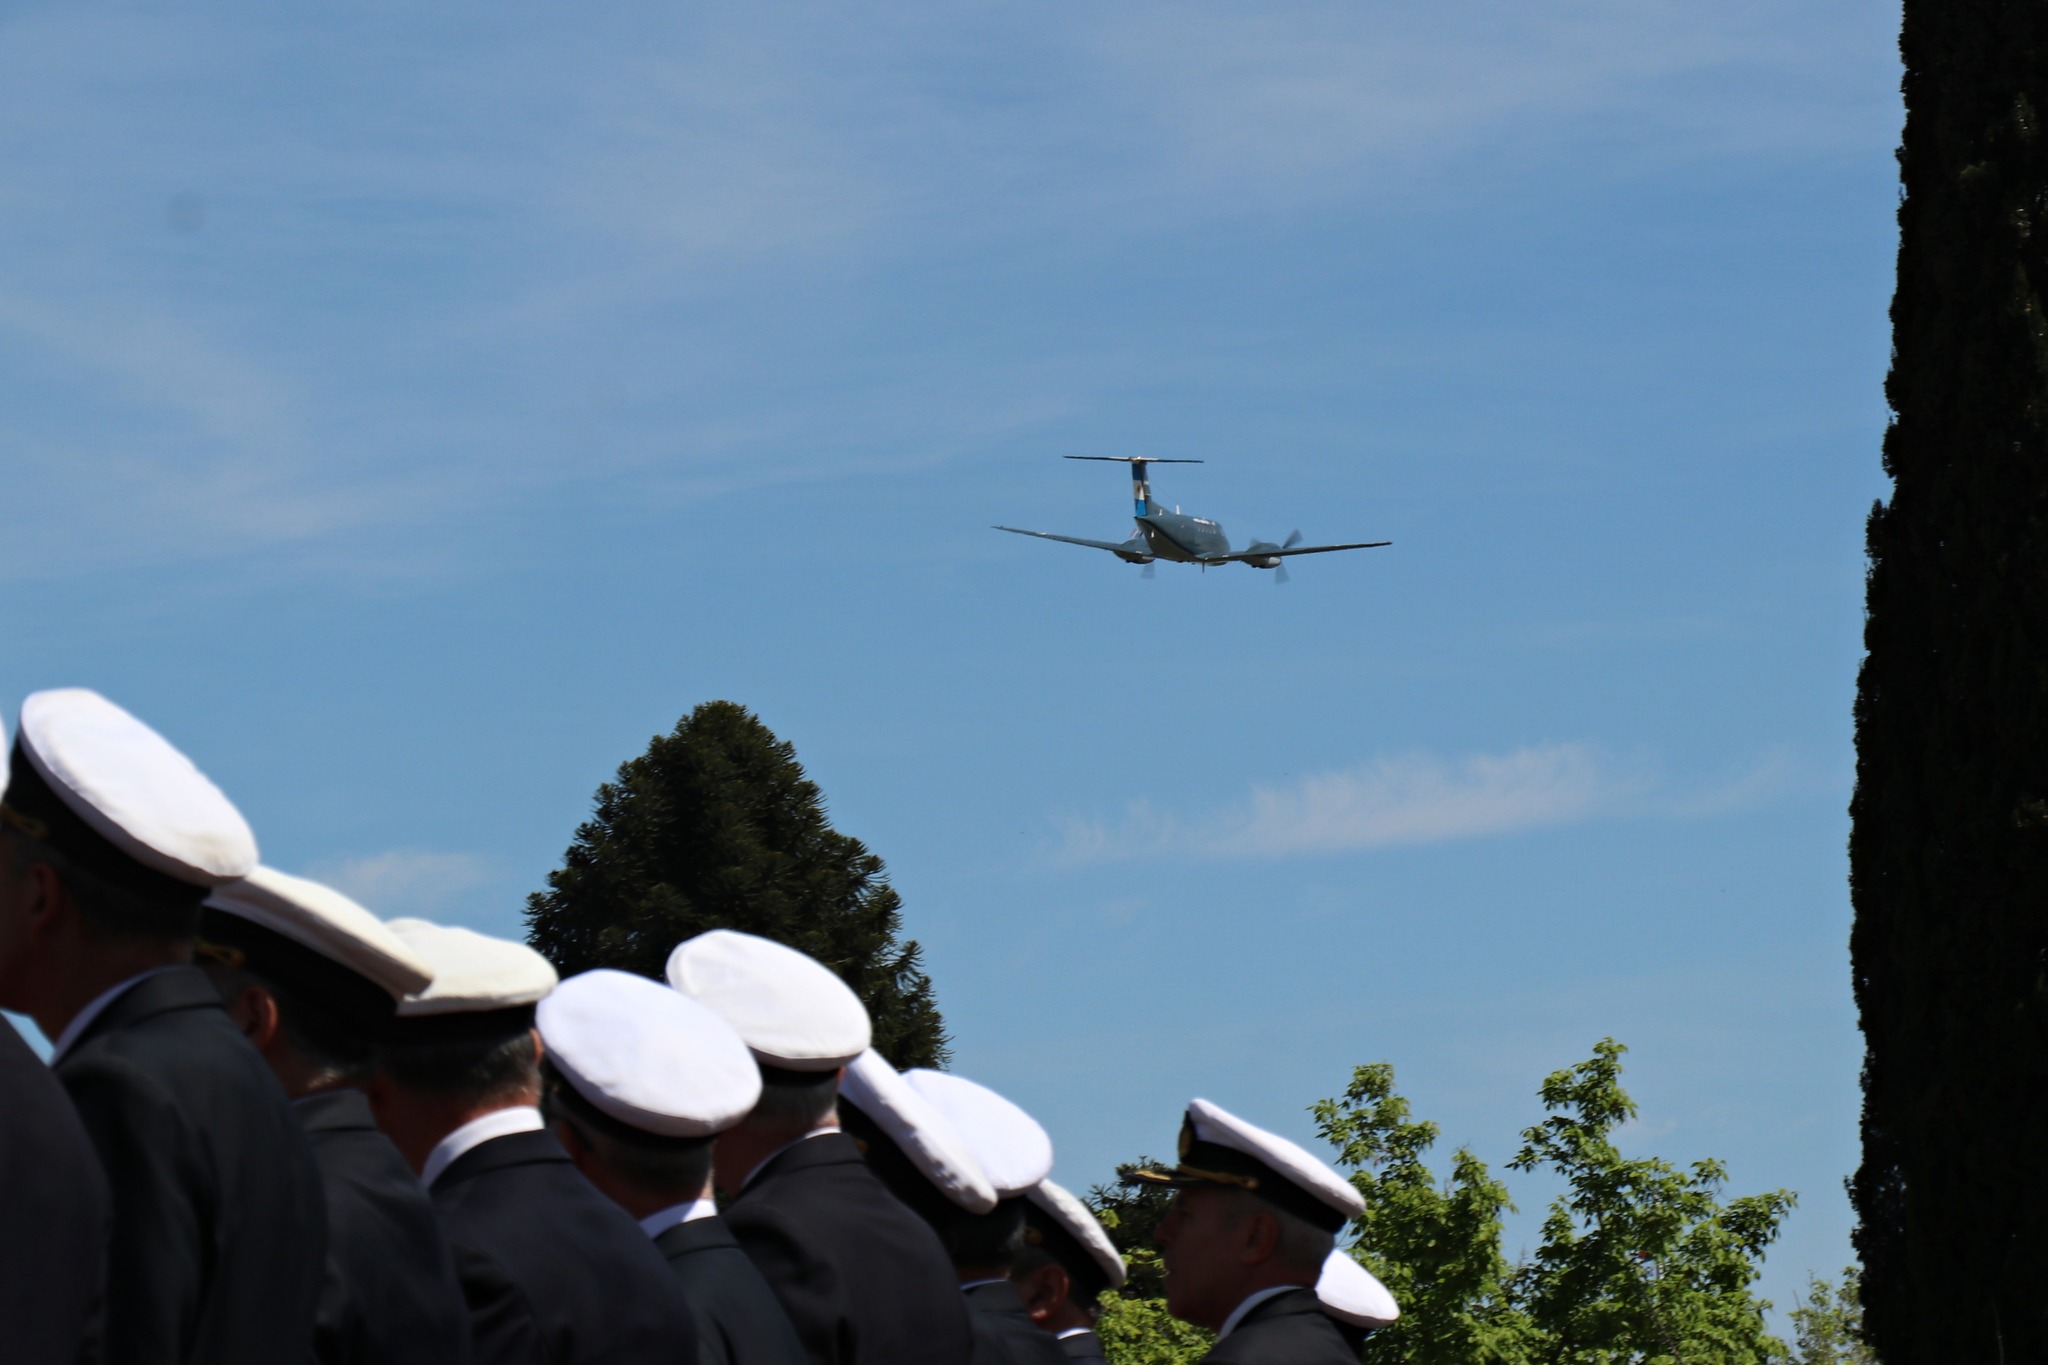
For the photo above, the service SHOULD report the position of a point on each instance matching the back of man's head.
(663, 1170)
(111, 910)
(324, 1048)
(476, 1069)
(794, 1102)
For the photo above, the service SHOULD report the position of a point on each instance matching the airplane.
(1182, 539)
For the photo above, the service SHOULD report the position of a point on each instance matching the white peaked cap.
(789, 1008)
(322, 919)
(472, 972)
(133, 789)
(1353, 1294)
(923, 1134)
(648, 1056)
(1005, 1141)
(1080, 1224)
(1214, 1123)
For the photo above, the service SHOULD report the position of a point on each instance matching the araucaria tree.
(716, 827)
(1948, 852)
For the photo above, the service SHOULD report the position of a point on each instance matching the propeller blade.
(1280, 574)
(1293, 539)
(1148, 571)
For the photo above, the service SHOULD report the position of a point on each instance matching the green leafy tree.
(1948, 844)
(1435, 1245)
(1828, 1327)
(1139, 1331)
(716, 827)
(1135, 1327)
(1640, 1261)
(1129, 1214)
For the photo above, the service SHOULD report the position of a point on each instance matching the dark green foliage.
(1948, 852)
(716, 827)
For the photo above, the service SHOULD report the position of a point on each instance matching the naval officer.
(50, 1180)
(1246, 1238)
(637, 1080)
(1067, 1265)
(1015, 1154)
(111, 839)
(553, 1272)
(1354, 1299)
(312, 980)
(863, 1279)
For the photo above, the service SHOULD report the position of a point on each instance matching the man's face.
(1201, 1244)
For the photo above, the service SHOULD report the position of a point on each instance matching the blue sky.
(412, 409)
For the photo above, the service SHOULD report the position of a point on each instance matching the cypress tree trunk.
(1949, 844)
(716, 827)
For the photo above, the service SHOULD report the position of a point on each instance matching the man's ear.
(1043, 1290)
(48, 898)
(382, 1094)
(1260, 1237)
(255, 1013)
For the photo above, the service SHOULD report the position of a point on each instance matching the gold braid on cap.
(1250, 1182)
(39, 830)
(233, 958)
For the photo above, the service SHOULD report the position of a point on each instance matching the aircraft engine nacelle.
(1263, 561)
(1134, 556)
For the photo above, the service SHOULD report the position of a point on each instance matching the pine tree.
(1948, 850)
(716, 827)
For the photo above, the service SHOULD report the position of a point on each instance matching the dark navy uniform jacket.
(1287, 1329)
(555, 1273)
(219, 1222)
(863, 1279)
(1084, 1347)
(1004, 1333)
(53, 1217)
(390, 1297)
(739, 1321)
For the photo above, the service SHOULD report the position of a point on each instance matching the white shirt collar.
(675, 1215)
(976, 1284)
(1072, 1332)
(1251, 1301)
(815, 1132)
(520, 1118)
(82, 1020)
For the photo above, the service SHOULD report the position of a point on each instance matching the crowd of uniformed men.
(276, 1129)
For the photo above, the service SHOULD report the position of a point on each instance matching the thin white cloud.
(1415, 799)
(406, 881)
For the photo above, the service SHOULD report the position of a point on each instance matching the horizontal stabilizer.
(1129, 459)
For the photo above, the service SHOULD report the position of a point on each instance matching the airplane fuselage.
(1182, 539)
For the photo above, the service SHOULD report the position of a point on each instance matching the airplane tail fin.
(1141, 490)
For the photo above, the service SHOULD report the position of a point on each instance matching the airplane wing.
(1238, 555)
(1111, 546)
